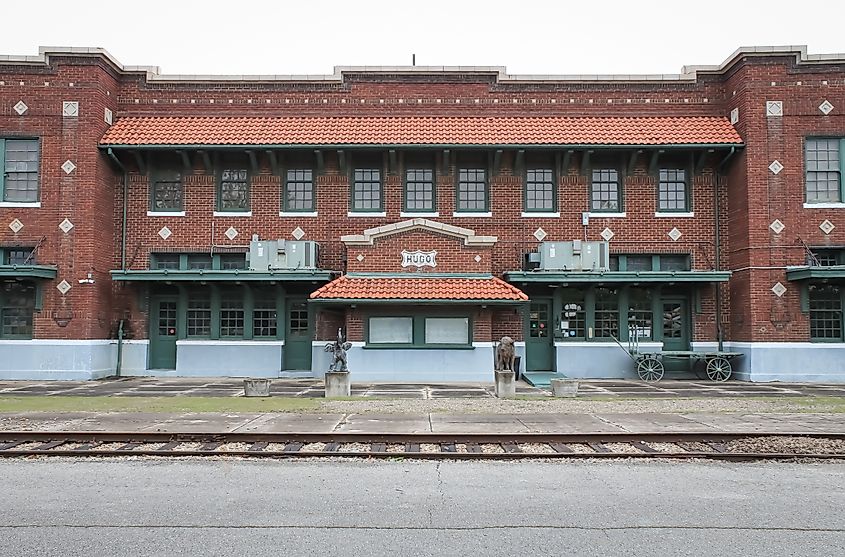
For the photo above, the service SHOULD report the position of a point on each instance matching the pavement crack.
(343, 421)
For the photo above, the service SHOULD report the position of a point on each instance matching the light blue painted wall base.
(47, 360)
(796, 362)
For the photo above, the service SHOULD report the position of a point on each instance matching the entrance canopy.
(431, 289)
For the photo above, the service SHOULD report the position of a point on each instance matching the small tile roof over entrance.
(435, 288)
(433, 131)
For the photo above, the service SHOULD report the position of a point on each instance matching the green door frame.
(540, 350)
(297, 351)
(162, 348)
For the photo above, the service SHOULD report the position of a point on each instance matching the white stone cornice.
(371, 234)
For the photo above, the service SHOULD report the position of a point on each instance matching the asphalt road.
(233, 507)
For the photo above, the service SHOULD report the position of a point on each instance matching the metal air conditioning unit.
(268, 255)
(576, 255)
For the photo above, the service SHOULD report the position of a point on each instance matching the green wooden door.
(163, 316)
(539, 343)
(297, 336)
(676, 330)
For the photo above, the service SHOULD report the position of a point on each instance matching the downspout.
(718, 247)
(117, 163)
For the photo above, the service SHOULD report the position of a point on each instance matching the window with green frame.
(17, 256)
(19, 161)
(650, 262)
(823, 169)
(299, 190)
(600, 312)
(225, 312)
(233, 187)
(197, 261)
(827, 257)
(166, 187)
(825, 304)
(420, 188)
(419, 331)
(641, 313)
(605, 186)
(17, 306)
(573, 317)
(366, 186)
(673, 190)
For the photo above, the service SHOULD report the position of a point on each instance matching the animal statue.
(338, 349)
(505, 355)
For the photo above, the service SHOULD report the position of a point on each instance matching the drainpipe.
(117, 163)
(718, 246)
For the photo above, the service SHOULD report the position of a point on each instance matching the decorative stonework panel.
(825, 107)
(777, 226)
(607, 234)
(16, 226)
(734, 115)
(827, 226)
(68, 166)
(231, 233)
(779, 289)
(675, 234)
(165, 233)
(298, 233)
(108, 116)
(70, 109)
(774, 108)
(63, 287)
(21, 108)
(776, 167)
(65, 226)
(540, 234)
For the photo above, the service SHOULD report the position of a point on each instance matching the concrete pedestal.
(338, 384)
(564, 387)
(256, 387)
(505, 384)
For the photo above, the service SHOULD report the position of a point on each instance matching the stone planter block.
(338, 384)
(505, 384)
(564, 387)
(256, 387)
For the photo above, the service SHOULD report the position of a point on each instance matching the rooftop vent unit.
(289, 255)
(576, 255)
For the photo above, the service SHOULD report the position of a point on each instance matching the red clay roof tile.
(377, 288)
(421, 131)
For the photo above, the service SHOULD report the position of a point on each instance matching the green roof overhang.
(28, 271)
(580, 277)
(234, 275)
(818, 273)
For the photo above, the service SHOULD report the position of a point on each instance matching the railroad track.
(719, 446)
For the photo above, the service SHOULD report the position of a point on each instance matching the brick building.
(231, 224)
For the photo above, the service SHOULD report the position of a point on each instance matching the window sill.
(232, 213)
(470, 215)
(824, 205)
(539, 214)
(601, 215)
(22, 204)
(366, 214)
(297, 213)
(418, 347)
(165, 213)
(419, 214)
(669, 215)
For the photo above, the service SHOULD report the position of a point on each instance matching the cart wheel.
(718, 369)
(650, 369)
(698, 367)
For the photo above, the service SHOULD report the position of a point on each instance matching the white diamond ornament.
(231, 233)
(65, 226)
(779, 289)
(21, 108)
(734, 115)
(774, 108)
(477, 259)
(16, 226)
(827, 226)
(298, 233)
(675, 234)
(68, 166)
(63, 287)
(607, 234)
(70, 109)
(108, 116)
(777, 226)
(825, 107)
(776, 167)
(540, 234)
(360, 257)
(165, 233)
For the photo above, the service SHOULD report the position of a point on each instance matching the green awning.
(233, 275)
(28, 271)
(580, 277)
(820, 273)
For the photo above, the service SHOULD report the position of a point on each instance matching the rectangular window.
(672, 190)
(232, 261)
(825, 312)
(17, 306)
(472, 190)
(366, 189)
(419, 190)
(607, 313)
(539, 189)
(234, 189)
(166, 191)
(299, 190)
(640, 314)
(447, 330)
(264, 324)
(20, 160)
(604, 190)
(199, 316)
(196, 262)
(19, 256)
(573, 317)
(674, 263)
(232, 317)
(160, 261)
(391, 330)
(639, 262)
(824, 170)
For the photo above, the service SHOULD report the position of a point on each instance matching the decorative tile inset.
(108, 116)
(826, 107)
(734, 115)
(298, 233)
(675, 234)
(827, 226)
(231, 233)
(68, 166)
(779, 289)
(360, 257)
(21, 108)
(63, 287)
(70, 109)
(477, 259)
(776, 167)
(65, 226)
(607, 234)
(16, 226)
(777, 226)
(540, 234)
(165, 233)
(774, 108)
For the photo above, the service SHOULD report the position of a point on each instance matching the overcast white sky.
(527, 36)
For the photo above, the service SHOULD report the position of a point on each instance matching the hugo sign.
(419, 258)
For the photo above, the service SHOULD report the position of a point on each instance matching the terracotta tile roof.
(377, 288)
(421, 131)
